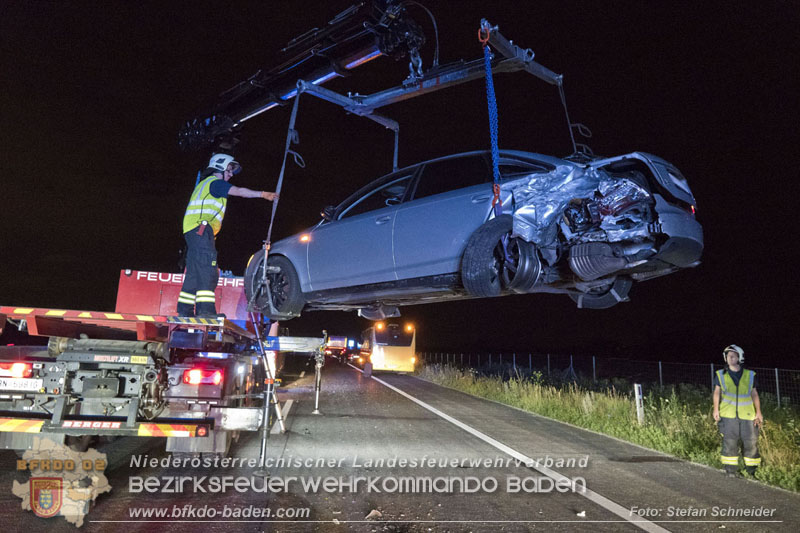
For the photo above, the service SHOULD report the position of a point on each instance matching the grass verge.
(677, 419)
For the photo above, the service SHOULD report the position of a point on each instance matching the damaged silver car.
(429, 233)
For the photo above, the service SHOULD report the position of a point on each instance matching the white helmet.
(220, 162)
(733, 348)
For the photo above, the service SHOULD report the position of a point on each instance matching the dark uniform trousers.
(202, 273)
(734, 430)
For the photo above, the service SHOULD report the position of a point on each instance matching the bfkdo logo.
(46, 496)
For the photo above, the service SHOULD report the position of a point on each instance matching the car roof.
(514, 154)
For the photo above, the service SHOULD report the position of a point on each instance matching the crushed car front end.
(598, 227)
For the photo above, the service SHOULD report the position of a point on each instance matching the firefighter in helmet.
(737, 409)
(201, 223)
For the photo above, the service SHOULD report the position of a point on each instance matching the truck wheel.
(483, 263)
(285, 285)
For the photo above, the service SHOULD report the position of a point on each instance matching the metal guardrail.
(778, 385)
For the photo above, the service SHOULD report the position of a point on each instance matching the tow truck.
(141, 371)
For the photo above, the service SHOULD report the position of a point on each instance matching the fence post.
(594, 369)
(661, 376)
(490, 358)
(637, 389)
(470, 360)
(514, 360)
(712, 376)
(530, 361)
(777, 388)
(462, 360)
(548, 364)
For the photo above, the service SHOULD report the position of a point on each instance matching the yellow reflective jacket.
(204, 207)
(736, 402)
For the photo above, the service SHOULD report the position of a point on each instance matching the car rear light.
(694, 210)
(202, 376)
(16, 370)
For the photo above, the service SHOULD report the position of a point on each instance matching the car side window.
(519, 170)
(452, 174)
(390, 193)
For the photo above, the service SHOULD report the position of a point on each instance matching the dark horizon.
(95, 181)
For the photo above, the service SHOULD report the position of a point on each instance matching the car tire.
(616, 293)
(287, 299)
(481, 265)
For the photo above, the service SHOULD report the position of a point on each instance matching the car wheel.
(284, 285)
(608, 297)
(494, 261)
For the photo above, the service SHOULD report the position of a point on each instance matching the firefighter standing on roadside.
(737, 408)
(201, 223)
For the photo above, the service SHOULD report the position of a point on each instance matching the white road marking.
(303, 373)
(276, 427)
(590, 495)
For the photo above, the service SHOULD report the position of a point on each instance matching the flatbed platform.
(112, 326)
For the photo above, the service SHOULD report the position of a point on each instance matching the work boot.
(207, 310)
(185, 309)
(751, 470)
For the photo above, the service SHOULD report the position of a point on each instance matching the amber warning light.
(202, 376)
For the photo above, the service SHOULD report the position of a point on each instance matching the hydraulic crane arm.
(359, 34)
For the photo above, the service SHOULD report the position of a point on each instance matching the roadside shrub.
(678, 418)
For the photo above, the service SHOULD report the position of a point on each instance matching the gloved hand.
(266, 195)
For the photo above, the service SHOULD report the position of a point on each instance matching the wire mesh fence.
(781, 386)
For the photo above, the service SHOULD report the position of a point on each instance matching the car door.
(356, 247)
(452, 198)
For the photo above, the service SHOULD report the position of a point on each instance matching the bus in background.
(389, 347)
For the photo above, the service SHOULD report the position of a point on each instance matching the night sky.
(92, 95)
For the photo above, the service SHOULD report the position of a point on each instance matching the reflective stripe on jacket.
(204, 207)
(736, 402)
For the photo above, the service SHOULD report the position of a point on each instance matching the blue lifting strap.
(492, 101)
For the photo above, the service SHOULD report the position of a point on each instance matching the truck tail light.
(202, 376)
(16, 370)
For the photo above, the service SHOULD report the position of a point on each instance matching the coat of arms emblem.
(46, 496)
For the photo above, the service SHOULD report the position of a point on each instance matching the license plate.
(20, 384)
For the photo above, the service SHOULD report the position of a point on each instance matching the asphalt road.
(451, 443)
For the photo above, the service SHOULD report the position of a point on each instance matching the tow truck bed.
(135, 373)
